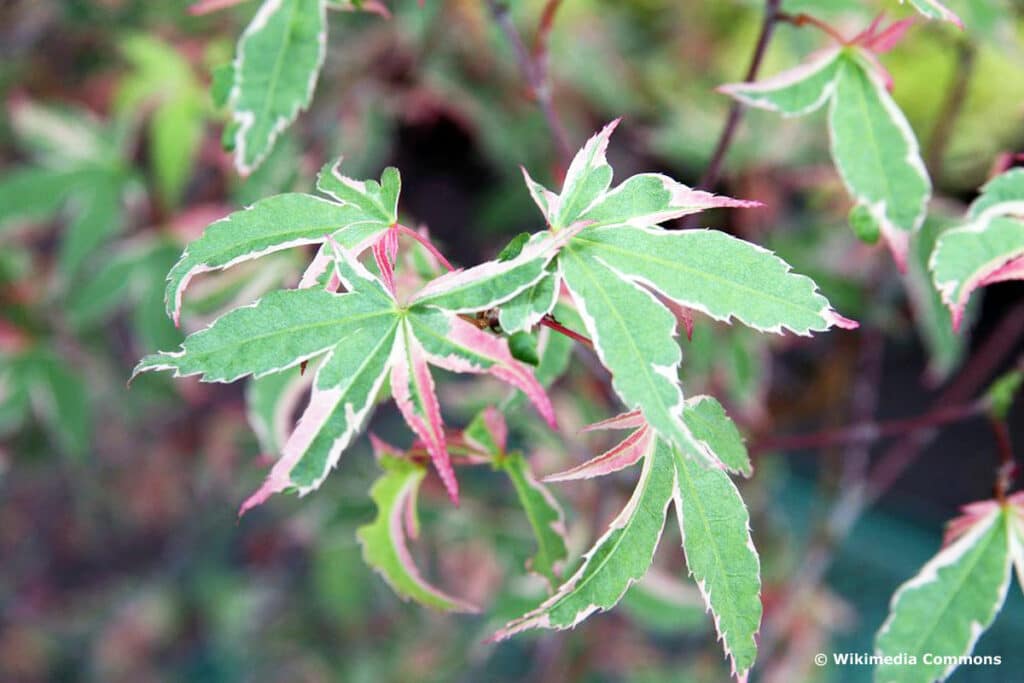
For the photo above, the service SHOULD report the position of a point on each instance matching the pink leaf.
(410, 374)
(503, 365)
(628, 452)
(634, 419)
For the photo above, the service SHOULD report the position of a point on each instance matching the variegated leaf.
(709, 424)
(981, 253)
(545, 516)
(276, 67)
(625, 454)
(384, 540)
(618, 559)
(943, 610)
(273, 224)
(270, 402)
(720, 555)
(795, 92)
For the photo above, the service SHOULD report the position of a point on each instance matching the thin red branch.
(427, 244)
(1007, 470)
(869, 432)
(802, 19)
(548, 321)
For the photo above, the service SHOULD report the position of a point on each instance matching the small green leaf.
(514, 247)
(1002, 392)
(794, 92)
(545, 517)
(384, 540)
(526, 309)
(524, 347)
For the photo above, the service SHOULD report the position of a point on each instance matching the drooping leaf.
(988, 248)
(618, 559)
(384, 540)
(877, 154)
(933, 9)
(275, 72)
(972, 256)
(795, 92)
(873, 146)
(626, 453)
(953, 599)
(720, 555)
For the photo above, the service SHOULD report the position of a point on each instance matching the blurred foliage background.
(120, 555)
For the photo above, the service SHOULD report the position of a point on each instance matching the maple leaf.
(619, 258)
(987, 249)
(364, 337)
(956, 595)
(873, 146)
(713, 521)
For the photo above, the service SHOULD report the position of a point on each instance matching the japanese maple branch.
(869, 432)
(1007, 470)
(535, 71)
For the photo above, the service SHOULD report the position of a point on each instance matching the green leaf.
(273, 224)
(943, 610)
(720, 555)
(384, 540)
(279, 331)
(587, 179)
(864, 225)
(525, 310)
(795, 92)
(1001, 196)
(983, 252)
(633, 336)
(523, 346)
(709, 271)
(276, 68)
(545, 517)
(98, 217)
(31, 194)
(877, 154)
(709, 424)
(59, 399)
(618, 559)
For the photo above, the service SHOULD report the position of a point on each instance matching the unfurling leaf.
(943, 610)
(873, 146)
(988, 249)
(275, 72)
(384, 540)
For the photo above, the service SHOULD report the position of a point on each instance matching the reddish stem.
(548, 321)
(802, 19)
(426, 245)
(1007, 470)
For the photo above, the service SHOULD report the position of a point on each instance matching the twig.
(869, 432)
(535, 72)
(549, 321)
(951, 108)
(771, 18)
(801, 19)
